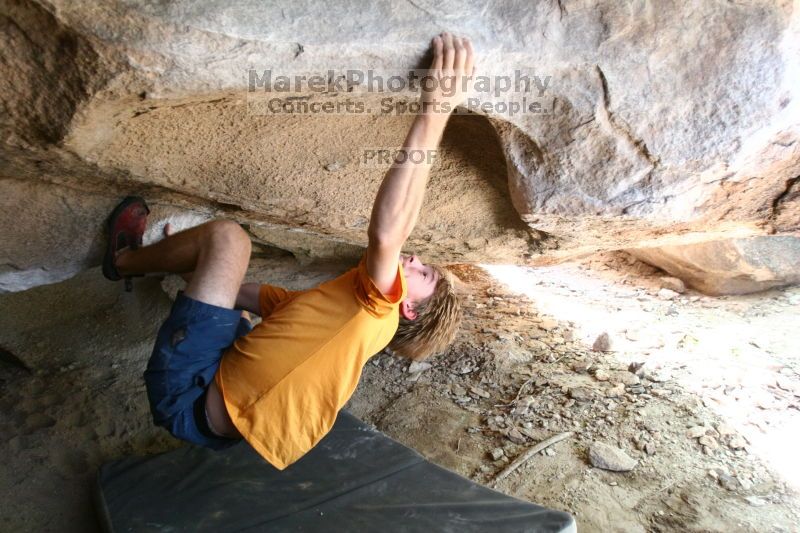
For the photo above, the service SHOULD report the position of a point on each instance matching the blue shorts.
(185, 359)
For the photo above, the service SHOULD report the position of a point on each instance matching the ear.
(407, 310)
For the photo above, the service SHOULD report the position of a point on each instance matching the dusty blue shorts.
(185, 359)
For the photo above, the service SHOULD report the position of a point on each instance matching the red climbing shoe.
(125, 227)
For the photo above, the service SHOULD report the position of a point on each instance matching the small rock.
(601, 375)
(611, 458)
(497, 453)
(650, 448)
(602, 343)
(616, 391)
(515, 436)
(523, 405)
(458, 390)
(581, 366)
(333, 167)
(728, 482)
(581, 394)
(418, 366)
(696, 432)
(709, 441)
(630, 379)
(636, 368)
(480, 392)
(667, 294)
(673, 284)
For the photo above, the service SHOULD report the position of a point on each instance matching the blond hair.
(436, 323)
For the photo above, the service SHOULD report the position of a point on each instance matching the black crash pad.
(356, 479)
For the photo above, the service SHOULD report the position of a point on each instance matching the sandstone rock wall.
(671, 124)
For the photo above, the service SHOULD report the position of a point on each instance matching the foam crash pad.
(355, 479)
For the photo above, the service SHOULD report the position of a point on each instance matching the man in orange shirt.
(212, 379)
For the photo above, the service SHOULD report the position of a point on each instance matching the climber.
(213, 379)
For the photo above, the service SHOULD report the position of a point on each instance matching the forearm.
(402, 191)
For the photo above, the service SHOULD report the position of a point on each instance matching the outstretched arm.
(400, 196)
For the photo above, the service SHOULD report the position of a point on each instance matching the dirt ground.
(702, 393)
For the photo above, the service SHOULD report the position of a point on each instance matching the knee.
(231, 235)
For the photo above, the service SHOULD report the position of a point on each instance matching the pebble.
(696, 432)
(601, 375)
(480, 392)
(673, 284)
(728, 482)
(333, 167)
(709, 441)
(636, 367)
(602, 343)
(630, 379)
(616, 391)
(650, 448)
(497, 453)
(418, 366)
(515, 436)
(581, 366)
(581, 394)
(611, 458)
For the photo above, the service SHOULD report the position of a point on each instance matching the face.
(421, 281)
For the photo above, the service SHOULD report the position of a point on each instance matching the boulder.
(730, 266)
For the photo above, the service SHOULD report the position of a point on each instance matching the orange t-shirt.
(285, 381)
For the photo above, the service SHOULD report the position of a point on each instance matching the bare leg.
(217, 253)
(213, 259)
